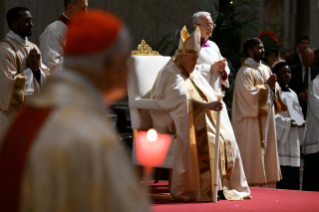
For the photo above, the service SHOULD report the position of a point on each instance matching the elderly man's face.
(206, 26)
(188, 62)
(308, 58)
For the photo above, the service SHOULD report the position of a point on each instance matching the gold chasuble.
(201, 148)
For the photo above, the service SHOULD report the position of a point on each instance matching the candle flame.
(151, 135)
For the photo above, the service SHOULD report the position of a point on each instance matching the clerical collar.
(251, 61)
(204, 43)
(16, 38)
(64, 19)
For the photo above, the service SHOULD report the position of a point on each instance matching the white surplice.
(76, 162)
(311, 143)
(289, 138)
(207, 57)
(51, 45)
(9, 72)
(171, 95)
(246, 127)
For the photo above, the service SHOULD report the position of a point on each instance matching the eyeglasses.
(207, 25)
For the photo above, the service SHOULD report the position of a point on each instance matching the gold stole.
(201, 147)
(17, 96)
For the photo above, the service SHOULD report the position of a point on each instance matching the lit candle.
(220, 94)
(151, 149)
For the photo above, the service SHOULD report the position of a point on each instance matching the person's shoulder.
(295, 67)
(6, 48)
(55, 27)
(244, 69)
(315, 67)
(292, 92)
(213, 45)
(70, 125)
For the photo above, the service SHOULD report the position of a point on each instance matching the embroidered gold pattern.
(144, 50)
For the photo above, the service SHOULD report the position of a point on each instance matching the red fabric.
(224, 76)
(91, 32)
(264, 200)
(64, 20)
(14, 152)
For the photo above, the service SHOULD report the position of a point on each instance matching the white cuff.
(29, 86)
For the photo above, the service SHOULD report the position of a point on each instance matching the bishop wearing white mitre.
(188, 98)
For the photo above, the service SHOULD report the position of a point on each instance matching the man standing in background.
(301, 76)
(21, 70)
(210, 63)
(51, 40)
(302, 44)
(253, 117)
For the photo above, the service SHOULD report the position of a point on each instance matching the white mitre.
(189, 44)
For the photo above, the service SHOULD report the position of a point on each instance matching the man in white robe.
(210, 63)
(253, 117)
(69, 158)
(189, 100)
(289, 131)
(21, 71)
(52, 39)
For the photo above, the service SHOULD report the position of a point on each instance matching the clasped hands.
(219, 66)
(33, 60)
(271, 82)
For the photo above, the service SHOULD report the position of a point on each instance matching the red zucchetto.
(91, 32)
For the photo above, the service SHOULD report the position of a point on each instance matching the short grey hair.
(196, 16)
(96, 62)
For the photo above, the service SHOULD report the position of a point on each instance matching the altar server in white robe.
(69, 157)
(253, 117)
(186, 95)
(21, 71)
(289, 131)
(52, 39)
(310, 180)
(210, 63)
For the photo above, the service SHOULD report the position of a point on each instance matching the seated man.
(189, 99)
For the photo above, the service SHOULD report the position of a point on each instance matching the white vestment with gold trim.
(245, 112)
(9, 73)
(171, 94)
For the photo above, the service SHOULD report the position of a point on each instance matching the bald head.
(308, 57)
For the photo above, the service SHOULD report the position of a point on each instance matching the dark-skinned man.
(253, 117)
(21, 70)
(289, 132)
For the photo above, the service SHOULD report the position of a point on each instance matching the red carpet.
(263, 200)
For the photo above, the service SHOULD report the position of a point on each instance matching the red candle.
(151, 147)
